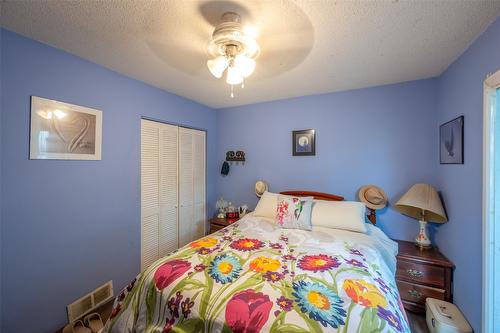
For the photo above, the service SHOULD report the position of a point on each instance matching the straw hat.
(373, 197)
(260, 187)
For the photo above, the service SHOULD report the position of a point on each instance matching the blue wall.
(69, 226)
(461, 93)
(382, 135)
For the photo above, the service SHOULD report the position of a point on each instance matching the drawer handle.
(415, 294)
(415, 273)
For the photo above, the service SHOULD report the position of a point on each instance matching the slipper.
(76, 327)
(94, 322)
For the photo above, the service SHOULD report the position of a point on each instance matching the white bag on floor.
(444, 317)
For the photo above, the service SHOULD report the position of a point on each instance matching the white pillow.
(267, 205)
(346, 215)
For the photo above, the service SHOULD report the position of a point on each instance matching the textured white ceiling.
(308, 47)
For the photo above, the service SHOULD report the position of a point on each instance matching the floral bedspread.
(256, 277)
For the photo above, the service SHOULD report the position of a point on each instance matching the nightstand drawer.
(216, 227)
(421, 273)
(417, 293)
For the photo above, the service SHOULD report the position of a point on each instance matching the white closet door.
(191, 185)
(173, 207)
(169, 188)
(199, 184)
(159, 191)
(186, 195)
(150, 198)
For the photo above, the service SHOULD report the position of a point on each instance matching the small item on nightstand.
(232, 215)
(221, 206)
(243, 210)
(444, 317)
(232, 212)
(422, 202)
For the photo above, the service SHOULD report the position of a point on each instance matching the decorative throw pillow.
(266, 207)
(294, 212)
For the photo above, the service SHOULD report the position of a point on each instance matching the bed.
(254, 276)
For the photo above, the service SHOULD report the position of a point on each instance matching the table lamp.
(422, 202)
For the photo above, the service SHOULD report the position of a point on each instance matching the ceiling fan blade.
(183, 49)
(278, 61)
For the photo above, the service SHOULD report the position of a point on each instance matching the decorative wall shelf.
(238, 156)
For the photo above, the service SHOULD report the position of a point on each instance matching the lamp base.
(422, 240)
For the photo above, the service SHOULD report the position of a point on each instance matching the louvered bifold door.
(169, 188)
(186, 194)
(199, 184)
(159, 191)
(150, 198)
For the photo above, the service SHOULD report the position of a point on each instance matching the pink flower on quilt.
(169, 272)
(283, 213)
(318, 263)
(168, 325)
(284, 303)
(248, 311)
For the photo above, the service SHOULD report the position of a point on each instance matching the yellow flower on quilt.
(264, 264)
(204, 242)
(364, 293)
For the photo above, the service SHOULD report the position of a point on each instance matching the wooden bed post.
(372, 216)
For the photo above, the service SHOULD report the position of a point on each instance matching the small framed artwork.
(304, 143)
(451, 141)
(62, 131)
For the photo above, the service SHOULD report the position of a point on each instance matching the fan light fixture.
(233, 49)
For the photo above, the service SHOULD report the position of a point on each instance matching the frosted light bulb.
(244, 64)
(233, 76)
(217, 66)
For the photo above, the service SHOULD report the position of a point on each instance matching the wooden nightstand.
(421, 274)
(216, 224)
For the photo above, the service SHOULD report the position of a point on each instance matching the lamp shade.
(422, 198)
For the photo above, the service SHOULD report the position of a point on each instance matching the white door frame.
(492, 82)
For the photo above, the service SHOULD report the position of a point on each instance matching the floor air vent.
(89, 302)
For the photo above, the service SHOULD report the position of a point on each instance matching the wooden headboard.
(315, 195)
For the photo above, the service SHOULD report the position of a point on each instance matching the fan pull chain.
(242, 84)
(232, 93)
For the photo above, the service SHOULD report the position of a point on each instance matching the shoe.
(94, 322)
(76, 327)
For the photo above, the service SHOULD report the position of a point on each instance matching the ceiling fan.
(277, 36)
(234, 50)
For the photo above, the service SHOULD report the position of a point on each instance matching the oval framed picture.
(304, 142)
